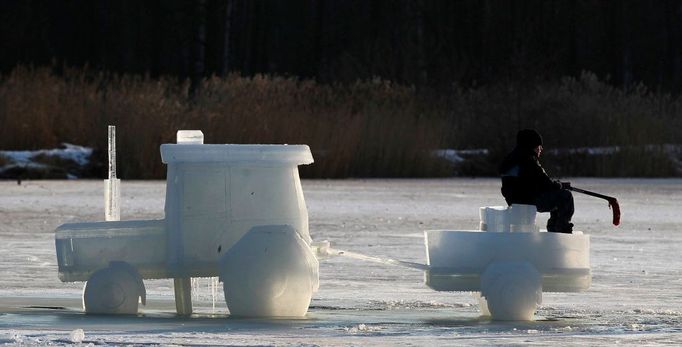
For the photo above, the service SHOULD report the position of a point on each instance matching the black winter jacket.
(523, 178)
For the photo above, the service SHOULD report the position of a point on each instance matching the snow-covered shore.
(68, 161)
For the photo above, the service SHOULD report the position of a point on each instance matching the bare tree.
(227, 24)
(198, 66)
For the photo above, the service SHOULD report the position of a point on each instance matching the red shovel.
(613, 202)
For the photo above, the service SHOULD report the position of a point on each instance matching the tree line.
(431, 44)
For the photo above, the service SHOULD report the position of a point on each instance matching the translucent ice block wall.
(458, 258)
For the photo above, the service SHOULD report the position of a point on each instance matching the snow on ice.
(634, 298)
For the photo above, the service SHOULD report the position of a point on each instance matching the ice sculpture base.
(468, 260)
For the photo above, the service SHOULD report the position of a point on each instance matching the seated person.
(524, 181)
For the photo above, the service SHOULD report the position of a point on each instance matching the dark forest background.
(374, 86)
(426, 43)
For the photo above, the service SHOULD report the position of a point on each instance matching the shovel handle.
(613, 202)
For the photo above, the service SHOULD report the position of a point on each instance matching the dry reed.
(367, 128)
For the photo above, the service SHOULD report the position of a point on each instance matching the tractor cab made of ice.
(233, 211)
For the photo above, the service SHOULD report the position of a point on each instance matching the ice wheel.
(116, 289)
(512, 290)
(269, 272)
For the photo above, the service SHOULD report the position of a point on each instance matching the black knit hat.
(528, 138)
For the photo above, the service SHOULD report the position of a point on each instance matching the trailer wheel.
(512, 290)
(116, 289)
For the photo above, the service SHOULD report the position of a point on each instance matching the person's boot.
(551, 225)
(566, 228)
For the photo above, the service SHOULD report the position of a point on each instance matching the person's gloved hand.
(565, 185)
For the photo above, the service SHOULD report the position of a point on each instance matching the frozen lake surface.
(635, 298)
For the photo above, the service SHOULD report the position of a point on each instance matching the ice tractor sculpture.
(233, 211)
(509, 261)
